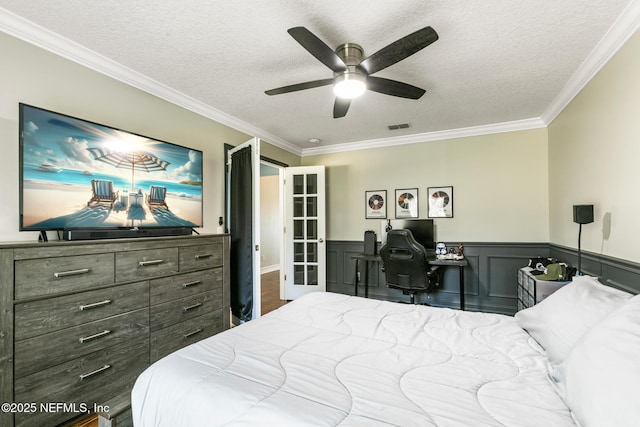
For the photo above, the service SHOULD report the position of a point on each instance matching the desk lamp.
(582, 214)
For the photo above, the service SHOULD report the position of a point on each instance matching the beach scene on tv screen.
(77, 174)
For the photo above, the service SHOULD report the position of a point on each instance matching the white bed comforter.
(330, 359)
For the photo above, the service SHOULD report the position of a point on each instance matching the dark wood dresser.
(80, 320)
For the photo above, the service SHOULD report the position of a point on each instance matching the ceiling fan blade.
(399, 50)
(340, 107)
(317, 48)
(394, 88)
(299, 86)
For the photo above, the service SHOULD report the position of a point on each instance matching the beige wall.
(594, 158)
(516, 186)
(270, 222)
(31, 75)
(276, 153)
(499, 181)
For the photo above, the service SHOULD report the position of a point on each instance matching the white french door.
(304, 231)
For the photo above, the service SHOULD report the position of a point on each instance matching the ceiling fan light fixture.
(349, 85)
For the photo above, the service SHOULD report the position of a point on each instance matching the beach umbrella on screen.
(134, 160)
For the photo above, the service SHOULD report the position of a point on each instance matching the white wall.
(594, 158)
(270, 221)
(500, 186)
(31, 75)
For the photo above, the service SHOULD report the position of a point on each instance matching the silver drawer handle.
(196, 282)
(71, 272)
(152, 262)
(191, 307)
(94, 305)
(97, 371)
(203, 256)
(94, 336)
(197, 331)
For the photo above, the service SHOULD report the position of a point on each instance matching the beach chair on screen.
(156, 197)
(102, 191)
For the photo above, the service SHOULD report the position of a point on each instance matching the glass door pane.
(304, 230)
(305, 234)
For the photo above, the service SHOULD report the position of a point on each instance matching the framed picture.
(375, 204)
(440, 202)
(407, 203)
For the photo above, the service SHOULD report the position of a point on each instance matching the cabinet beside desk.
(461, 264)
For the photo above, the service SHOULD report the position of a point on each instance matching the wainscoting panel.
(490, 279)
(332, 274)
(611, 271)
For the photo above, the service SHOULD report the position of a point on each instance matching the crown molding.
(622, 29)
(36, 35)
(517, 125)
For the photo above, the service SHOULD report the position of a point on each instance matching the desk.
(366, 258)
(461, 264)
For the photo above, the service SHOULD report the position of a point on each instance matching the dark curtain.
(241, 233)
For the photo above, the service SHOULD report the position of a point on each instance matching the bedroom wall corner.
(594, 152)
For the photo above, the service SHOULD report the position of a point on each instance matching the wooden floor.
(270, 294)
(89, 421)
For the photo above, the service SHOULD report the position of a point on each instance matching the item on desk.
(448, 254)
(460, 251)
(369, 242)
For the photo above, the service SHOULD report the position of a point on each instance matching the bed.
(330, 359)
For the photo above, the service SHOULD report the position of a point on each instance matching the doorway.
(297, 227)
(271, 215)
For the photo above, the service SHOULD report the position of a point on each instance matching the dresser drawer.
(43, 316)
(201, 257)
(183, 285)
(37, 277)
(169, 313)
(145, 264)
(174, 337)
(41, 352)
(83, 381)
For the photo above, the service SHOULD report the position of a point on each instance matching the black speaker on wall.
(583, 214)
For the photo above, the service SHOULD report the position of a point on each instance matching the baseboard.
(269, 268)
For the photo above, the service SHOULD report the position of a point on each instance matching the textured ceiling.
(495, 62)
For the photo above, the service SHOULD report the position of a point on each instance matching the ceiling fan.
(352, 74)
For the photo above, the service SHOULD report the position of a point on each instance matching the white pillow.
(602, 371)
(558, 321)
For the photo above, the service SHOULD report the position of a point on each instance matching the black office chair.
(405, 264)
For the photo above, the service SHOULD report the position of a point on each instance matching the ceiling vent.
(399, 126)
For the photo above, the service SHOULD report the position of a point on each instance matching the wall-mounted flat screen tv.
(76, 174)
